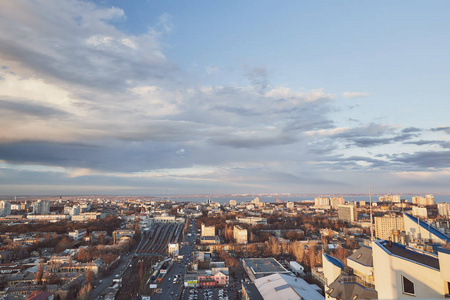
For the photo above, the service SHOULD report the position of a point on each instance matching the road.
(107, 281)
(172, 290)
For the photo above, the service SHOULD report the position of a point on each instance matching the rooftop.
(281, 286)
(415, 255)
(363, 256)
(264, 265)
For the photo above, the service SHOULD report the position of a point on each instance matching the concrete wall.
(388, 271)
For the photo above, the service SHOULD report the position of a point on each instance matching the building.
(209, 240)
(87, 216)
(361, 262)
(260, 267)
(208, 230)
(347, 212)
(322, 202)
(429, 199)
(418, 230)
(444, 209)
(48, 217)
(384, 226)
(420, 212)
(418, 200)
(404, 272)
(173, 249)
(77, 234)
(233, 202)
(41, 207)
(282, 286)
(390, 198)
(5, 208)
(388, 270)
(336, 201)
(240, 234)
(290, 205)
(252, 220)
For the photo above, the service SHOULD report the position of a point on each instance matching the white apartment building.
(5, 208)
(384, 226)
(336, 201)
(77, 234)
(322, 202)
(347, 212)
(208, 230)
(240, 234)
(41, 207)
(444, 209)
(388, 270)
(390, 198)
(420, 212)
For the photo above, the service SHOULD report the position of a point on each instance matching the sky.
(219, 97)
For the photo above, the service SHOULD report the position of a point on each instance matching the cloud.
(76, 42)
(426, 159)
(355, 94)
(258, 78)
(411, 129)
(446, 129)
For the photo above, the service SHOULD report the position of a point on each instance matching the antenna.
(371, 220)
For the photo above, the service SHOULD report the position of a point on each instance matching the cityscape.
(224, 150)
(133, 248)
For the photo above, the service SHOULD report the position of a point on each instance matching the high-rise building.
(444, 209)
(390, 198)
(420, 212)
(5, 208)
(321, 202)
(41, 207)
(420, 200)
(429, 199)
(347, 212)
(384, 226)
(208, 230)
(240, 234)
(336, 201)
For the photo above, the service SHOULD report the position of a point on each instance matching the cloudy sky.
(169, 97)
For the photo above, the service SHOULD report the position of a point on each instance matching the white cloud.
(355, 94)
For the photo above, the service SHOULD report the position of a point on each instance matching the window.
(408, 286)
(359, 256)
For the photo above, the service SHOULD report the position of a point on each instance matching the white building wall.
(388, 271)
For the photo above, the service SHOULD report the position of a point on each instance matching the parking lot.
(211, 293)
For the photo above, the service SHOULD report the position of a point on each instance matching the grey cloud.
(370, 142)
(249, 141)
(446, 129)
(18, 106)
(132, 157)
(411, 129)
(425, 159)
(58, 45)
(258, 78)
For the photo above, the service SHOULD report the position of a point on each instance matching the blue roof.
(430, 228)
(335, 261)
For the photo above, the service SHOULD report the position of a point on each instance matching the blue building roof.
(335, 261)
(429, 228)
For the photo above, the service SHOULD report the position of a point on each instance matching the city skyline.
(154, 98)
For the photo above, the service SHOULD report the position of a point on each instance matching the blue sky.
(171, 97)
